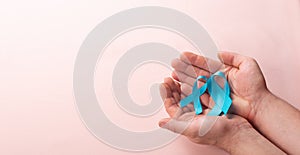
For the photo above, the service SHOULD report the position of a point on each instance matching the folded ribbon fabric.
(221, 96)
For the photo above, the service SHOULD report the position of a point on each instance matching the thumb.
(231, 59)
(163, 122)
(173, 125)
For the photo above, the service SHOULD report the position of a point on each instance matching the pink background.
(39, 42)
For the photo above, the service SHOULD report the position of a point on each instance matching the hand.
(270, 115)
(200, 129)
(232, 133)
(243, 73)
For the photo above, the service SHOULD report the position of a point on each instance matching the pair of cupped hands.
(252, 125)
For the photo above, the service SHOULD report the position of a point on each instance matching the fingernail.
(162, 124)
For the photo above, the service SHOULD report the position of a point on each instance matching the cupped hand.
(243, 74)
(201, 129)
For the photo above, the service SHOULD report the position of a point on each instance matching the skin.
(273, 117)
(232, 133)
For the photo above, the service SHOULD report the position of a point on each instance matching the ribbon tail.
(197, 106)
(184, 102)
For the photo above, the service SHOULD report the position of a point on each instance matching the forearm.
(248, 142)
(279, 122)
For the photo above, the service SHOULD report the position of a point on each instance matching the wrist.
(249, 141)
(262, 103)
(238, 129)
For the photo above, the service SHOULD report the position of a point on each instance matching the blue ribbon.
(221, 96)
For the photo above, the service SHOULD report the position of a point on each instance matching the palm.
(245, 81)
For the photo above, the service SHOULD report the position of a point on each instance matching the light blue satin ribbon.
(221, 96)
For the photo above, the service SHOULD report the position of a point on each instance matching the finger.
(174, 76)
(170, 102)
(231, 59)
(189, 69)
(184, 127)
(177, 97)
(175, 87)
(186, 109)
(201, 62)
(205, 99)
(176, 126)
(183, 96)
(205, 111)
(172, 108)
(186, 89)
(190, 107)
(165, 91)
(184, 78)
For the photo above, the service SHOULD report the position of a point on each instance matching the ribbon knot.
(221, 96)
